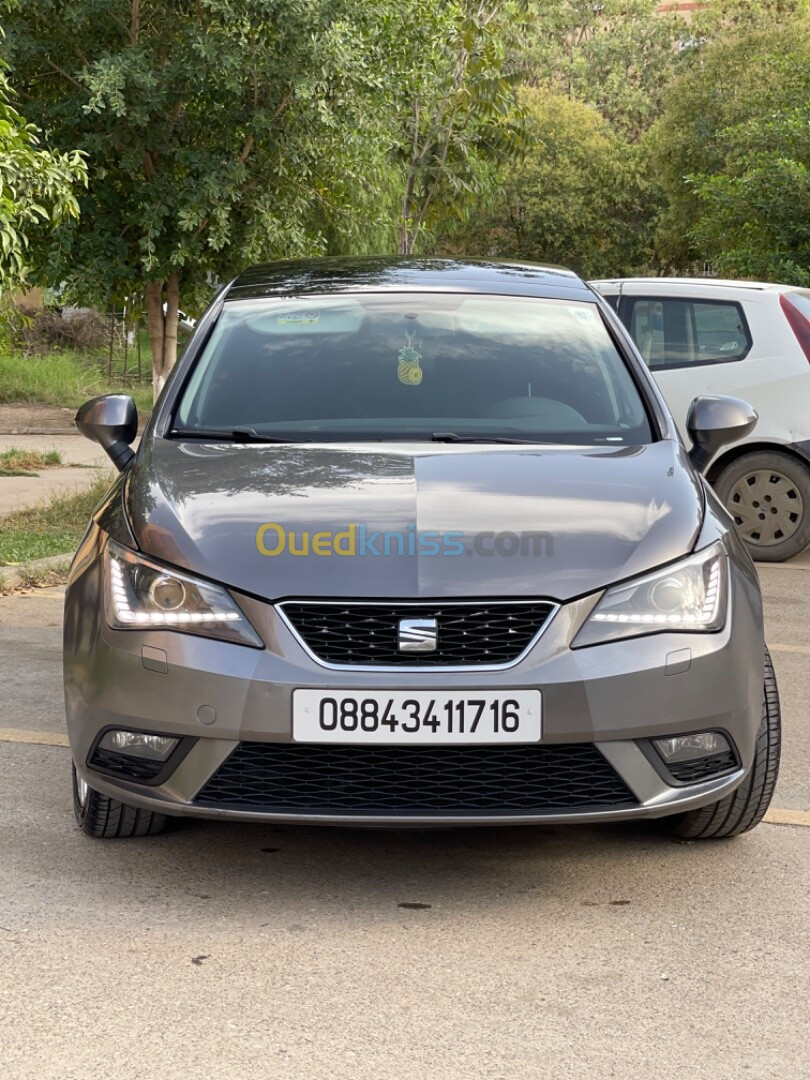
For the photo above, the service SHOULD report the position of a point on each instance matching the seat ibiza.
(415, 543)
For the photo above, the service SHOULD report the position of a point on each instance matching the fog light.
(692, 747)
(139, 744)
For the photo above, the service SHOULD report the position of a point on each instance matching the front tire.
(745, 807)
(100, 816)
(768, 495)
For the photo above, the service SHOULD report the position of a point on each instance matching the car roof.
(382, 274)
(726, 283)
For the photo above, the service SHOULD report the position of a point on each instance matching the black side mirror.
(714, 421)
(112, 422)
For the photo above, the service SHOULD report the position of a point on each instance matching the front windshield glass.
(414, 366)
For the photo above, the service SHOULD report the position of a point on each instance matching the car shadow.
(288, 875)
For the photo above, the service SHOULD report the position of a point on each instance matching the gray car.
(415, 543)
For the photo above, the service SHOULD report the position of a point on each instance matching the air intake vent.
(422, 781)
(469, 634)
(131, 768)
(705, 768)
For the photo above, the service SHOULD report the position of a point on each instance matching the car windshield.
(413, 365)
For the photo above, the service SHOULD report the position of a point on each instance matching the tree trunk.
(162, 327)
(405, 237)
(405, 240)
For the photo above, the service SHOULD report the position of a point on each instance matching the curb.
(12, 577)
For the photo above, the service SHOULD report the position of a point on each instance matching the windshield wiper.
(451, 437)
(237, 435)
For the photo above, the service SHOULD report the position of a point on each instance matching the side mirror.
(112, 422)
(714, 421)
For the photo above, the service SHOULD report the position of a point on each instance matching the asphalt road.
(220, 951)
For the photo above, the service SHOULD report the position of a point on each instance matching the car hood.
(599, 515)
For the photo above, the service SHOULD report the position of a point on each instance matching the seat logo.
(417, 635)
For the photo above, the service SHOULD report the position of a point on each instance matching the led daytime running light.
(707, 614)
(125, 614)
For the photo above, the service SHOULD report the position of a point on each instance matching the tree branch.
(65, 74)
(285, 102)
(135, 24)
(174, 115)
(246, 149)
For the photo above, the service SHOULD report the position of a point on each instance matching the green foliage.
(584, 194)
(219, 133)
(16, 462)
(215, 132)
(754, 216)
(65, 379)
(736, 166)
(726, 18)
(55, 528)
(580, 197)
(618, 56)
(36, 188)
(453, 87)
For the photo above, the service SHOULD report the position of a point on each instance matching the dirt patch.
(25, 419)
(31, 419)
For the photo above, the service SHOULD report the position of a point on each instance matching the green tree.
(735, 165)
(581, 195)
(723, 18)
(217, 133)
(454, 99)
(616, 55)
(754, 217)
(36, 188)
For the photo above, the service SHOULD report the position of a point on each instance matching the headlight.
(144, 596)
(690, 596)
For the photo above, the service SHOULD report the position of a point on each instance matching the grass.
(65, 379)
(16, 462)
(55, 528)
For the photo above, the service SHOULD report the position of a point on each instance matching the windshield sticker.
(582, 314)
(294, 318)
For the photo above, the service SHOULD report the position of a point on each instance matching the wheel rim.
(82, 790)
(767, 506)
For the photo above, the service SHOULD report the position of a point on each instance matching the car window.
(411, 365)
(674, 333)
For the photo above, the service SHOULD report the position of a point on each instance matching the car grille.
(421, 781)
(469, 634)
(705, 768)
(131, 768)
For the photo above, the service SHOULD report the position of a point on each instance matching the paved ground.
(81, 460)
(222, 951)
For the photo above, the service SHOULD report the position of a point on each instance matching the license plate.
(400, 717)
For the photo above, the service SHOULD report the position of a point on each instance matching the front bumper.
(615, 696)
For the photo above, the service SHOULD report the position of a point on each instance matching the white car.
(751, 340)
